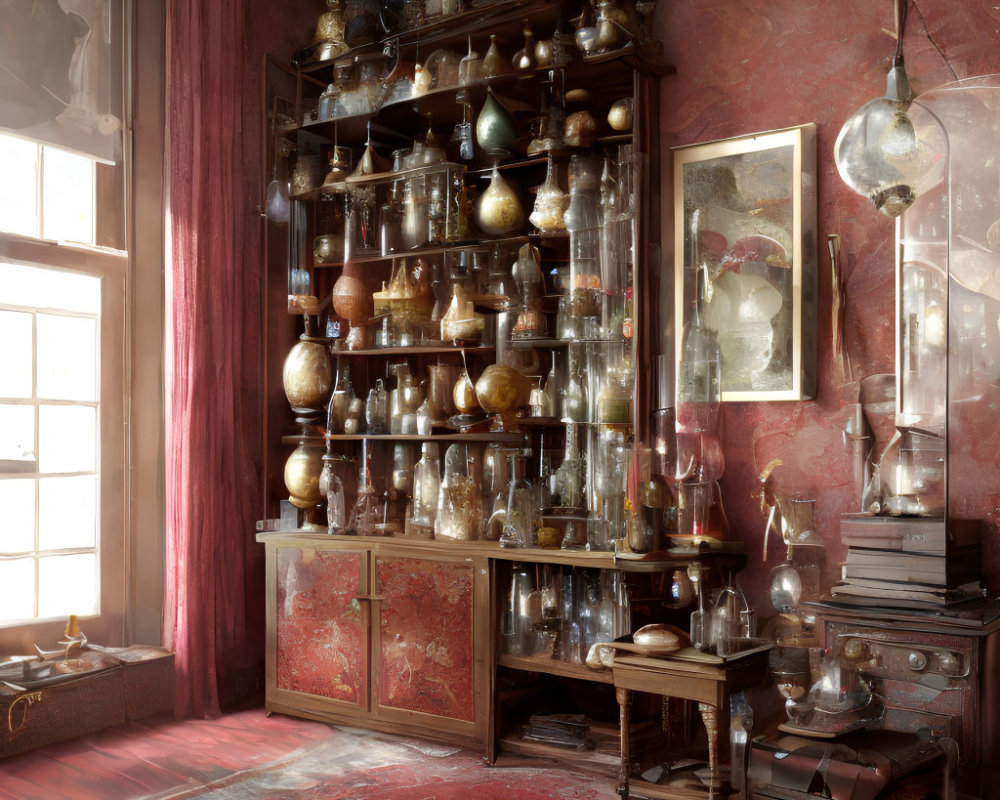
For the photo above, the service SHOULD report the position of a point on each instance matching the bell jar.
(948, 313)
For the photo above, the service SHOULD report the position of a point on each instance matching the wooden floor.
(247, 756)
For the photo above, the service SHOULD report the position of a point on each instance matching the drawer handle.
(376, 597)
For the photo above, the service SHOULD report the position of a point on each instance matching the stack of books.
(909, 562)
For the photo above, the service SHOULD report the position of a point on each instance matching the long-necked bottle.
(699, 386)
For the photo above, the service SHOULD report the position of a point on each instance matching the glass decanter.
(519, 522)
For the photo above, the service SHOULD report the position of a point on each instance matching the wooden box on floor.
(121, 684)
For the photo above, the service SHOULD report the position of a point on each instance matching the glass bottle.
(701, 617)
(519, 523)
(415, 225)
(496, 479)
(699, 391)
(426, 485)
(437, 209)
(391, 222)
(550, 203)
(340, 402)
(375, 408)
(365, 515)
(524, 59)
(530, 285)
(458, 513)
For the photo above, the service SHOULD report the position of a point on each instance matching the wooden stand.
(686, 675)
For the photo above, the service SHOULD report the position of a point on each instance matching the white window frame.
(111, 267)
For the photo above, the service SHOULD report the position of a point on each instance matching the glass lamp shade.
(891, 151)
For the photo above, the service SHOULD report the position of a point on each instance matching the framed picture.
(745, 259)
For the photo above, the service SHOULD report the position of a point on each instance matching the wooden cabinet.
(379, 635)
(402, 634)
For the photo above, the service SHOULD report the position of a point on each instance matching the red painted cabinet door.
(321, 630)
(425, 650)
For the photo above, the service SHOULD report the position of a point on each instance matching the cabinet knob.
(856, 649)
(917, 660)
(949, 662)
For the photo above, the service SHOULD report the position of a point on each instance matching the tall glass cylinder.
(583, 221)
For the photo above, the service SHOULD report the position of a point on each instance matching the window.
(81, 321)
(49, 442)
(61, 390)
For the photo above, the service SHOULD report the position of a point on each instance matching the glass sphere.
(891, 151)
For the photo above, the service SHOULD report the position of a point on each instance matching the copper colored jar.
(351, 298)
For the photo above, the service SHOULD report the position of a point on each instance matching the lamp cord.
(901, 7)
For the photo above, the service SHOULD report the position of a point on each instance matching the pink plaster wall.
(745, 66)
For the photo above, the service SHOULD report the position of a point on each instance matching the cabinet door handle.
(369, 597)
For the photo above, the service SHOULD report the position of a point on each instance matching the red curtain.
(213, 616)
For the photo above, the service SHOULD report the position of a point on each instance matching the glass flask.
(498, 210)
(522, 508)
(524, 59)
(583, 221)
(550, 203)
(495, 130)
(458, 514)
(494, 64)
(699, 393)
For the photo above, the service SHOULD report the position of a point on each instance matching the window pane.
(67, 196)
(67, 585)
(49, 288)
(15, 353)
(17, 432)
(67, 357)
(67, 512)
(67, 439)
(17, 588)
(19, 187)
(17, 505)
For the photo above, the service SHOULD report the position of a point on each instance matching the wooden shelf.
(416, 350)
(552, 666)
(514, 437)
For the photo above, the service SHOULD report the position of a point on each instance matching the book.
(931, 536)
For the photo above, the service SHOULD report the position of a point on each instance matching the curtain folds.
(213, 614)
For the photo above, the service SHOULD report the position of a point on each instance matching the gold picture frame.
(755, 198)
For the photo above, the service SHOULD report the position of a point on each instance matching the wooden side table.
(687, 675)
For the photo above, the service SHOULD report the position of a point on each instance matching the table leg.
(622, 695)
(710, 717)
